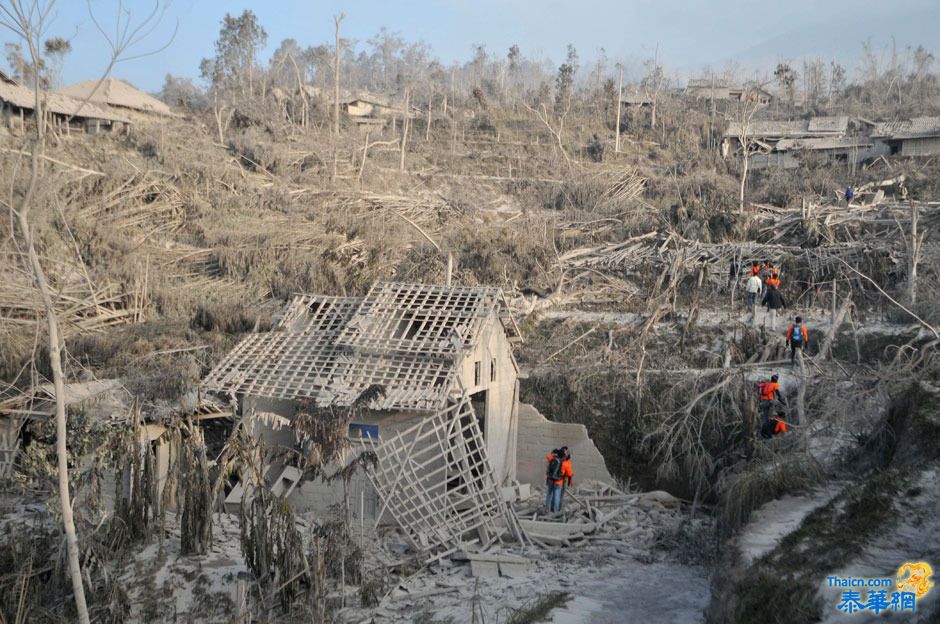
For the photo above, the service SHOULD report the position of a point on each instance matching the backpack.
(797, 334)
(554, 470)
(763, 388)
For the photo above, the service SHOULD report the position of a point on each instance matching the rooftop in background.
(57, 103)
(114, 92)
(814, 127)
(918, 127)
(408, 338)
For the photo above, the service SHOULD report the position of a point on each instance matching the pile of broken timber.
(595, 512)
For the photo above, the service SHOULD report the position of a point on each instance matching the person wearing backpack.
(770, 403)
(797, 337)
(553, 481)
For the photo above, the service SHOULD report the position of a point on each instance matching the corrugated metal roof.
(829, 124)
(817, 126)
(823, 143)
(908, 128)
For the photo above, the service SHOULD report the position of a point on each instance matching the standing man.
(753, 289)
(797, 337)
(774, 301)
(566, 474)
(553, 481)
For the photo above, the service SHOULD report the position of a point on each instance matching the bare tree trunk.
(55, 359)
(619, 104)
(914, 255)
(743, 180)
(427, 128)
(336, 21)
(405, 124)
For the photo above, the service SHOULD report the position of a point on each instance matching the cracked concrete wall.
(538, 436)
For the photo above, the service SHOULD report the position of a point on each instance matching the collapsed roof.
(114, 92)
(814, 127)
(408, 338)
(918, 127)
(57, 103)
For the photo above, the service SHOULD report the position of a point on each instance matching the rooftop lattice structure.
(408, 338)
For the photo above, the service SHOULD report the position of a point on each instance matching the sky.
(688, 35)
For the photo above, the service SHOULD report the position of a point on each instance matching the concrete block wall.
(538, 436)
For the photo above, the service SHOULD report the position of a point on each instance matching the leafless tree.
(28, 20)
(746, 109)
(337, 19)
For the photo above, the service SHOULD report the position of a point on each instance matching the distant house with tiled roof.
(919, 136)
(17, 103)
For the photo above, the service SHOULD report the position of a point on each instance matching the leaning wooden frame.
(435, 480)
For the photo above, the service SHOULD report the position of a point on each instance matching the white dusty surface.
(634, 592)
(770, 523)
(916, 537)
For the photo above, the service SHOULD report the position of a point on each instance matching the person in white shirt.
(754, 286)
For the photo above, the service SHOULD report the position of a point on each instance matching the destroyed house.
(117, 94)
(781, 144)
(17, 103)
(714, 89)
(444, 427)
(919, 136)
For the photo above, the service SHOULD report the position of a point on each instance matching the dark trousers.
(793, 347)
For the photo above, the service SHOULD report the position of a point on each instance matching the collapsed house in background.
(717, 89)
(784, 144)
(38, 404)
(443, 430)
(369, 111)
(117, 94)
(780, 144)
(64, 114)
(919, 136)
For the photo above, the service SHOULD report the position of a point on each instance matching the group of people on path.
(558, 476)
(764, 284)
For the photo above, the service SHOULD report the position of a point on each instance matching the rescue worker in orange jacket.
(797, 337)
(567, 474)
(774, 280)
(771, 408)
(769, 390)
(773, 425)
(755, 268)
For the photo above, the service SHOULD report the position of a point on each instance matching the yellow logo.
(915, 577)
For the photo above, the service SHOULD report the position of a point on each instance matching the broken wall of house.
(538, 436)
(322, 497)
(490, 368)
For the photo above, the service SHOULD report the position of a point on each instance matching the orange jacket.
(768, 390)
(780, 427)
(803, 331)
(755, 270)
(773, 281)
(566, 473)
